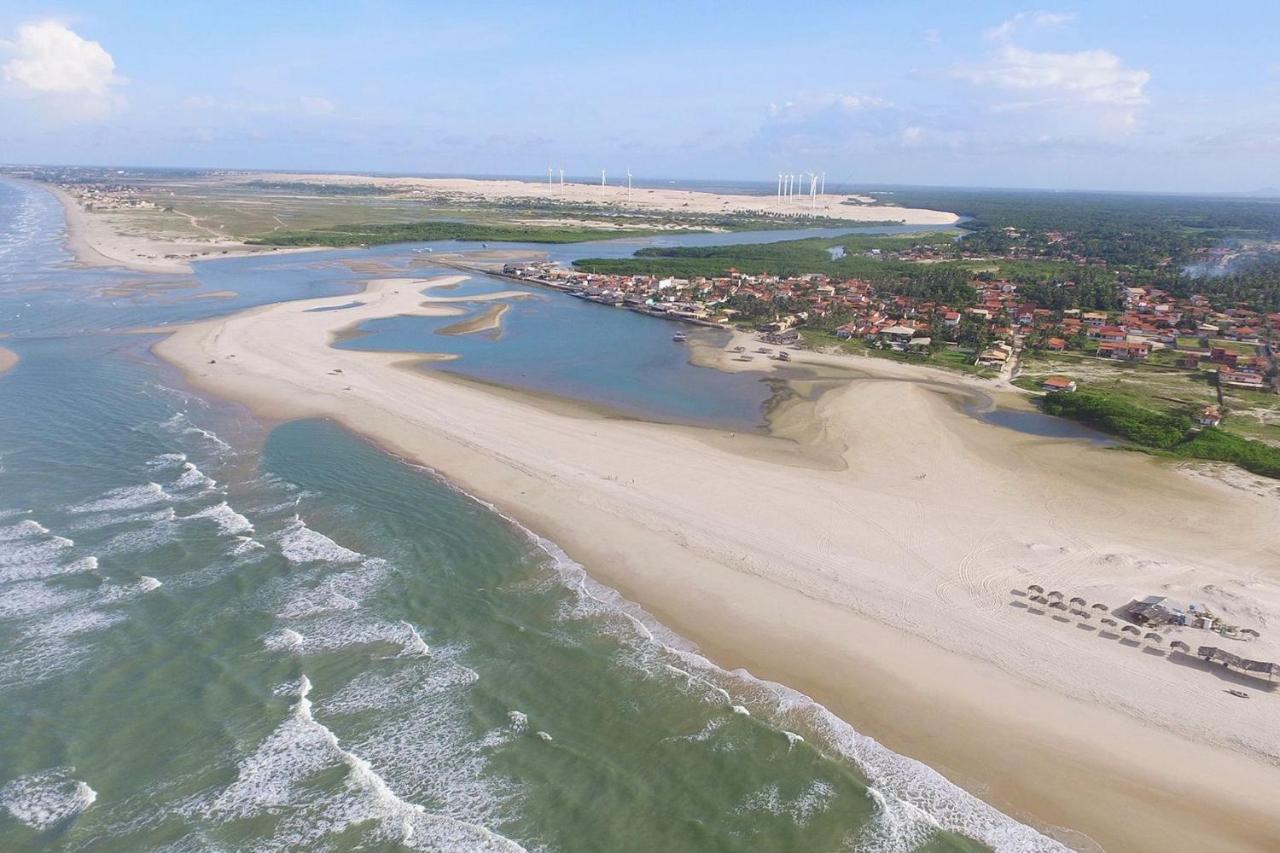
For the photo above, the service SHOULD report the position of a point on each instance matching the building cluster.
(1234, 342)
(108, 197)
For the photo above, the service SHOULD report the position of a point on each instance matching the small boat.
(679, 337)
(1239, 693)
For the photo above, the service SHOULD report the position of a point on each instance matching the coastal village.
(1234, 344)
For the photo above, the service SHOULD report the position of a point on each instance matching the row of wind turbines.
(791, 188)
(603, 181)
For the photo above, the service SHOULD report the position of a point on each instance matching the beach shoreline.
(8, 360)
(95, 243)
(725, 542)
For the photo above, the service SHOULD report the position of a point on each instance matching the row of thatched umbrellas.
(1054, 600)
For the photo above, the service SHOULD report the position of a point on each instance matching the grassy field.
(958, 360)
(1250, 414)
(1167, 433)
(421, 232)
(261, 211)
(787, 257)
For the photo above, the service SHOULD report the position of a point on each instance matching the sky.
(1153, 96)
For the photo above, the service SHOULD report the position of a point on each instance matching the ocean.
(222, 634)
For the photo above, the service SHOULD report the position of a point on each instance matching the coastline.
(94, 243)
(8, 360)
(818, 579)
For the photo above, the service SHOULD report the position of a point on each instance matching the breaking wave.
(44, 800)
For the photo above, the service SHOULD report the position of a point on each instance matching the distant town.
(1154, 326)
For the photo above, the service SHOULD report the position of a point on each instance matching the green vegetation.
(1149, 239)
(421, 232)
(1169, 433)
(942, 282)
(947, 358)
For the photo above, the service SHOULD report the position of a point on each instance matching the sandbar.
(885, 586)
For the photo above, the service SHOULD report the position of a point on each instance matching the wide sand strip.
(100, 239)
(8, 358)
(867, 560)
(616, 197)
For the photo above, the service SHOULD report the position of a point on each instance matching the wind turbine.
(562, 181)
(602, 179)
(549, 187)
(628, 186)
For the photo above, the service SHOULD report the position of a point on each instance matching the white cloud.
(808, 106)
(53, 63)
(933, 37)
(1039, 19)
(1096, 77)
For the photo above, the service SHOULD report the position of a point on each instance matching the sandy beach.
(100, 239)
(870, 554)
(8, 358)
(854, 208)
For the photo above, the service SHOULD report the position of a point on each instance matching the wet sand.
(868, 554)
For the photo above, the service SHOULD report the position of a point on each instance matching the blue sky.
(1099, 95)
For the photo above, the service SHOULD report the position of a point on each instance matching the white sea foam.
(413, 645)
(44, 800)
(166, 460)
(300, 544)
(180, 424)
(228, 520)
(49, 646)
(246, 545)
(284, 640)
(26, 529)
(193, 478)
(27, 598)
(127, 497)
(274, 777)
(315, 603)
(32, 553)
(97, 522)
(913, 800)
(142, 539)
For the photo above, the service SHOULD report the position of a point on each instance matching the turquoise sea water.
(216, 635)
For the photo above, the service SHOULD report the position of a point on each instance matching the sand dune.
(866, 555)
(854, 208)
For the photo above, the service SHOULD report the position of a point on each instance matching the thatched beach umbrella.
(1058, 605)
(1109, 621)
(1039, 599)
(1084, 614)
(1130, 629)
(1250, 632)
(1100, 606)
(1078, 600)
(1055, 594)
(1153, 637)
(1035, 587)
(1179, 646)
